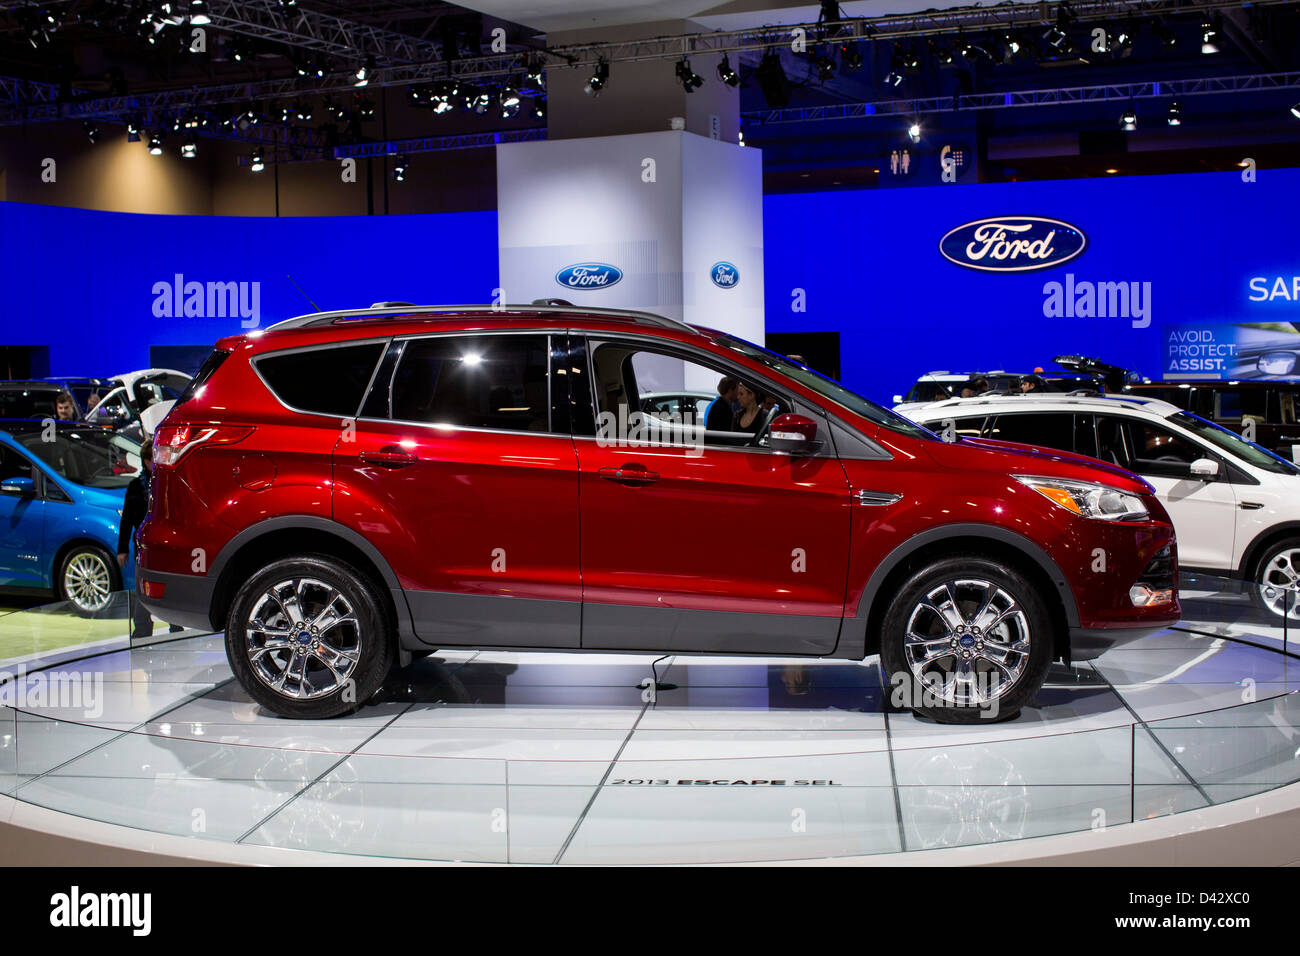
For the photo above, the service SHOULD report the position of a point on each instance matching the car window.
(627, 377)
(1234, 444)
(1145, 447)
(951, 429)
(205, 372)
(1045, 429)
(19, 402)
(14, 464)
(113, 410)
(87, 455)
(475, 381)
(330, 381)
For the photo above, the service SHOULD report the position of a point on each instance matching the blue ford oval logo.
(1013, 244)
(589, 275)
(725, 275)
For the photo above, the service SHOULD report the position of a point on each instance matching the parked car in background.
(680, 404)
(61, 491)
(484, 498)
(1268, 409)
(131, 393)
(1235, 504)
(31, 399)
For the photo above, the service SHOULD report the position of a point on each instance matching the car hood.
(987, 454)
(110, 498)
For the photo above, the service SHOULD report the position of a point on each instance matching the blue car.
(61, 491)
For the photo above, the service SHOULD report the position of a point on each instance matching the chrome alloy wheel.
(1279, 584)
(87, 581)
(302, 638)
(967, 642)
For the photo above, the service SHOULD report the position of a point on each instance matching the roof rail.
(545, 306)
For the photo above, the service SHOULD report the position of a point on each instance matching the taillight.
(172, 442)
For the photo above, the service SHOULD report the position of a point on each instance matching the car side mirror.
(1205, 468)
(793, 434)
(24, 487)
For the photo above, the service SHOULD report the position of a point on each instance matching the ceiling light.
(914, 132)
(726, 74)
(1209, 38)
(1174, 117)
(199, 13)
(92, 133)
(257, 162)
(1128, 121)
(399, 169)
(362, 76)
(851, 58)
(155, 144)
(189, 148)
(599, 77)
(509, 100)
(690, 80)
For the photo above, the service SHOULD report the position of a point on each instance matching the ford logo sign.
(1013, 244)
(724, 275)
(589, 275)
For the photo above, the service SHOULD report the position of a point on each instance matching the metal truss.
(1257, 83)
(410, 60)
(404, 147)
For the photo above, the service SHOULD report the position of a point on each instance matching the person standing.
(134, 509)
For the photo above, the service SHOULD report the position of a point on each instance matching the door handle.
(631, 475)
(390, 456)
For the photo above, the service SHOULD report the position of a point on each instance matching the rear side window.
(328, 380)
(205, 372)
(1045, 429)
(475, 381)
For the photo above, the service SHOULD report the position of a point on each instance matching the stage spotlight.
(1128, 121)
(302, 112)
(189, 148)
(362, 76)
(825, 67)
(539, 107)
(726, 74)
(155, 144)
(851, 58)
(1174, 117)
(399, 169)
(1010, 45)
(92, 132)
(365, 109)
(1209, 38)
(1168, 39)
(914, 132)
(1295, 111)
(479, 101)
(599, 77)
(509, 102)
(689, 79)
(911, 59)
(443, 97)
(895, 75)
(772, 80)
(942, 54)
(199, 13)
(257, 161)
(537, 71)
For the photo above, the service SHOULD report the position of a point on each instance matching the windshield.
(1234, 444)
(87, 456)
(829, 389)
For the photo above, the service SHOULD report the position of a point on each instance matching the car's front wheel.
(307, 637)
(966, 639)
(1276, 577)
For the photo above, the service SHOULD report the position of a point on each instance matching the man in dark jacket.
(134, 508)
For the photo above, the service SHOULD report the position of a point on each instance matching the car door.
(703, 541)
(1204, 511)
(22, 525)
(467, 483)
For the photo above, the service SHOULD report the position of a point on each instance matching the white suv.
(1235, 505)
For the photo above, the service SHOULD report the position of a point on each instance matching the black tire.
(1028, 619)
(85, 555)
(361, 636)
(1283, 600)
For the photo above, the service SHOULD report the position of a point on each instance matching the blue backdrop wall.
(92, 284)
(1212, 262)
(1212, 253)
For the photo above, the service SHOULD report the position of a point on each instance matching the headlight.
(1087, 499)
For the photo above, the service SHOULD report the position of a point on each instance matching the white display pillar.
(668, 222)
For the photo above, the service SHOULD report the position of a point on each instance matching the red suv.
(347, 490)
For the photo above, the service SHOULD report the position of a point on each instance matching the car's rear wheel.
(87, 578)
(966, 639)
(307, 637)
(1277, 579)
